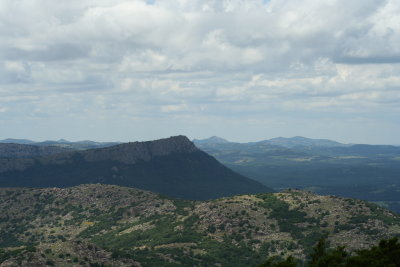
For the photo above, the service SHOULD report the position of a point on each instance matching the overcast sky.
(245, 70)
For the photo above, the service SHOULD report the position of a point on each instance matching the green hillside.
(107, 225)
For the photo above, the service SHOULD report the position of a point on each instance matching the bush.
(385, 254)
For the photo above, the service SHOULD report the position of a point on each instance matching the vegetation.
(368, 172)
(172, 166)
(105, 225)
(385, 254)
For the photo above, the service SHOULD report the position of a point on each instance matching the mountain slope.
(171, 166)
(95, 225)
(12, 150)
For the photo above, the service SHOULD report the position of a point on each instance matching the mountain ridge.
(12, 150)
(173, 166)
(288, 142)
(78, 145)
(213, 139)
(131, 152)
(302, 141)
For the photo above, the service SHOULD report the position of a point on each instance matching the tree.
(387, 254)
(276, 262)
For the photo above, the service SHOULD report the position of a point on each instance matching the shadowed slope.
(171, 166)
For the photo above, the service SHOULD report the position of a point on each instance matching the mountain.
(368, 172)
(29, 151)
(173, 166)
(297, 141)
(211, 140)
(107, 225)
(302, 141)
(79, 145)
(17, 141)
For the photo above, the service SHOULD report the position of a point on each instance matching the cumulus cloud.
(152, 60)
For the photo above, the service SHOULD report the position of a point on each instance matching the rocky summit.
(131, 153)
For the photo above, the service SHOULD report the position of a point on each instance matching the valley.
(369, 172)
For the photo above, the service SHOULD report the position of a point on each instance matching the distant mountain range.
(79, 145)
(211, 140)
(173, 166)
(297, 141)
(87, 144)
(302, 141)
(369, 172)
(298, 144)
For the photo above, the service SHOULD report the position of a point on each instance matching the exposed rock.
(95, 225)
(130, 153)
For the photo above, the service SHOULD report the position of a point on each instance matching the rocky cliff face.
(171, 166)
(130, 153)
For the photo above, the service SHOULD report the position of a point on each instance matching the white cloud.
(173, 108)
(199, 59)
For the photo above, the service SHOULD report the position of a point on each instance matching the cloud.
(369, 60)
(202, 59)
(174, 108)
(201, 35)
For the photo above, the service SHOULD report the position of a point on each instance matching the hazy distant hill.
(211, 140)
(297, 141)
(79, 145)
(369, 172)
(105, 225)
(172, 166)
(17, 141)
(302, 141)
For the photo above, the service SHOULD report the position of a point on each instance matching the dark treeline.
(387, 253)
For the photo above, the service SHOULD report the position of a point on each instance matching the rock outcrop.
(130, 153)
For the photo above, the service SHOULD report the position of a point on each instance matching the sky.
(244, 70)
